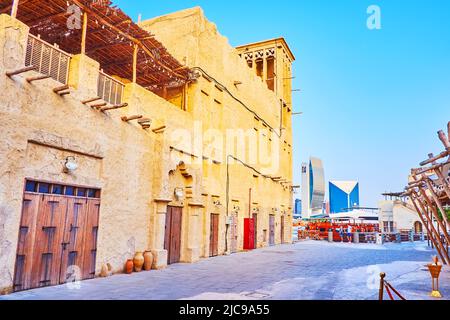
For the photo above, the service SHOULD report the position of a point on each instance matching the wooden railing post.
(381, 292)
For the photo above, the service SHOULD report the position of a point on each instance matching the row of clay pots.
(141, 261)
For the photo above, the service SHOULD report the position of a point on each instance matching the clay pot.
(106, 270)
(148, 260)
(138, 261)
(129, 266)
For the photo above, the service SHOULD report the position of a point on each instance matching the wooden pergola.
(429, 192)
(106, 34)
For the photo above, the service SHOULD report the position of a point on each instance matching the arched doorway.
(418, 228)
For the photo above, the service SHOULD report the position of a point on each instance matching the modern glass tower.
(313, 188)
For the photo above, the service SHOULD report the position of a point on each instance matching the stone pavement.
(302, 271)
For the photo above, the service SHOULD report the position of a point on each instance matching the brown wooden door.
(73, 241)
(214, 236)
(282, 229)
(271, 230)
(57, 237)
(172, 241)
(47, 253)
(255, 221)
(25, 247)
(90, 239)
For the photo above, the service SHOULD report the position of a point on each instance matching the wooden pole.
(444, 139)
(135, 56)
(436, 241)
(438, 203)
(37, 78)
(19, 71)
(84, 33)
(381, 291)
(128, 119)
(14, 8)
(435, 213)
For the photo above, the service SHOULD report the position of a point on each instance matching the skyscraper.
(344, 195)
(313, 188)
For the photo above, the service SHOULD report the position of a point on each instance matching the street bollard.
(330, 236)
(356, 237)
(379, 238)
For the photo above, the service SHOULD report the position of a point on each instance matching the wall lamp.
(71, 165)
(179, 193)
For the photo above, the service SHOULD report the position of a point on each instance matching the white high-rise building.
(313, 188)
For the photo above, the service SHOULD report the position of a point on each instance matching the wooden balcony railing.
(110, 89)
(47, 59)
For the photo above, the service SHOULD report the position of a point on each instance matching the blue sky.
(373, 100)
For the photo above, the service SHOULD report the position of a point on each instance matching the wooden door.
(55, 239)
(46, 257)
(271, 230)
(90, 238)
(255, 233)
(172, 241)
(25, 247)
(282, 229)
(214, 236)
(73, 241)
(234, 234)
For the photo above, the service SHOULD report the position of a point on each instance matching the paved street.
(306, 270)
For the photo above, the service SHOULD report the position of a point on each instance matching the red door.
(214, 236)
(172, 241)
(249, 233)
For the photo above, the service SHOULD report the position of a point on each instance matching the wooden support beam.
(448, 130)
(84, 33)
(90, 100)
(435, 237)
(62, 88)
(19, 71)
(442, 177)
(131, 118)
(124, 105)
(438, 203)
(64, 93)
(37, 78)
(15, 7)
(159, 129)
(436, 158)
(99, 105)
(444, 139)
(146, 126)
(435, 166)
(435, 213)
(144, 121)
(135, 57)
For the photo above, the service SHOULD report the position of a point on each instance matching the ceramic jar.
(129, 266)
(148, 260)
(138, 261)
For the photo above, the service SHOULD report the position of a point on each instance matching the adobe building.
(120, 138)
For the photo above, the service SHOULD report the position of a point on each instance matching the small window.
(44, 188)
(81, 192)
(31, 186)
(93, 193)
(70, 191)
(57, 189)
